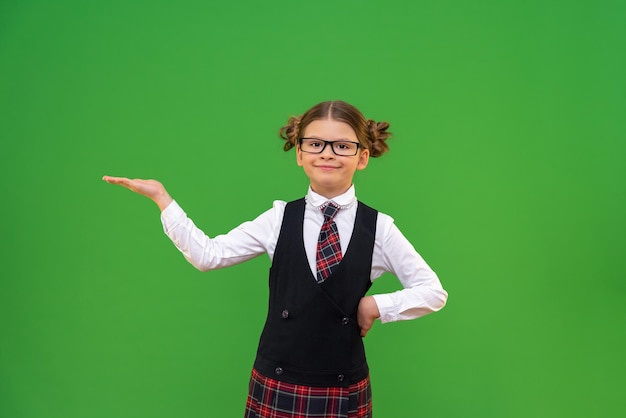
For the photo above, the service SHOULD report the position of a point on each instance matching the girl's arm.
(204, 252)
(246, 241)
(422, 292)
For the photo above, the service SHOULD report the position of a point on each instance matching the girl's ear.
(298, 156)
(364, 158)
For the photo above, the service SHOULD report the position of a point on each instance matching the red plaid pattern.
(328, 248)
(269, 398)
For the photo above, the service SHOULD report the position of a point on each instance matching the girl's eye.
(342, 145)
(316, 144)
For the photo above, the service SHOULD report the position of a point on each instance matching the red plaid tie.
(328, 248)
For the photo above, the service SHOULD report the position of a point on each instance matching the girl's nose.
(327, 152)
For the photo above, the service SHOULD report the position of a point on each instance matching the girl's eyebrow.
(322, 139)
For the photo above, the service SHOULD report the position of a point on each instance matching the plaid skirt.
(269, 398)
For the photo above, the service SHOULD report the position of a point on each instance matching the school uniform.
(310, 360)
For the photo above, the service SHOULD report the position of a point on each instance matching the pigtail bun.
(290, 132)
(378, 135)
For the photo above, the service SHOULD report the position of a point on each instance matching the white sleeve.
(422, 292)
(246, 241)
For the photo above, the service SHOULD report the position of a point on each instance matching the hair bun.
(378, 136)
(290, 132)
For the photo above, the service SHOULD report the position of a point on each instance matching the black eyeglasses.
(317, 146)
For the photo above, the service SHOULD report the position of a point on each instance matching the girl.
(326, 250)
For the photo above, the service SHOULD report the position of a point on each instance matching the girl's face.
(330, 174)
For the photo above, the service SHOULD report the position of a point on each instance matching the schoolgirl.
(326, 250)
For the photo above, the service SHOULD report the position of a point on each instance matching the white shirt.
(422, 292)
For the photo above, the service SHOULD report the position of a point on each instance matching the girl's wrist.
(163, 201)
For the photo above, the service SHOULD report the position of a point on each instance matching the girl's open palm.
(152, 189)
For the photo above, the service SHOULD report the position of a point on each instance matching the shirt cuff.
(386, 308)
(171, 216)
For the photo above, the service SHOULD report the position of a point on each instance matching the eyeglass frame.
(358, 145)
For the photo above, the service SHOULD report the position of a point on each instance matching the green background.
(506, 171)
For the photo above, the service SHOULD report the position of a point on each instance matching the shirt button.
(285, 314)
(345, 321)
(278, 371)
(340, 378)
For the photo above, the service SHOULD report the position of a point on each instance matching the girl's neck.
(330, 194)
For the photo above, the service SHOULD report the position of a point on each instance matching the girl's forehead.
(329, 129)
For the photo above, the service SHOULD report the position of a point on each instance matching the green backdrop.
(506, 171)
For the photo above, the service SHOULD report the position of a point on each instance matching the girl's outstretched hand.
(366, 314)
(152, 189)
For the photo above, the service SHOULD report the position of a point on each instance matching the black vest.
(311, 336)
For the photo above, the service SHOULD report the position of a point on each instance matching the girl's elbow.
(440, 299)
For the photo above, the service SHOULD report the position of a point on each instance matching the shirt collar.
(344, 200)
